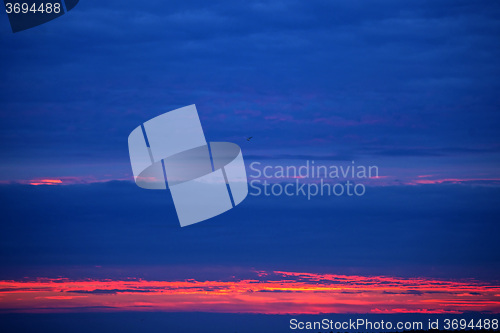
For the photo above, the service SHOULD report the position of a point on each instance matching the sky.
(408, 86)
(388, 81)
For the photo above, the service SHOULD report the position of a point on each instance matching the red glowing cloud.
(269, 293)
(492, 181)
(46, 182)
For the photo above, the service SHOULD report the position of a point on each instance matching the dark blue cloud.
(411, 86)
(301, 77)
(433, 230)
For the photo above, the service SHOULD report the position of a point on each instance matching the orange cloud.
(46, 182)
(269, 293)
(451, 180)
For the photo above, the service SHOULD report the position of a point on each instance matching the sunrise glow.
(269, 293)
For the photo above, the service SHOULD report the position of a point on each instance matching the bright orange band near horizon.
(269, 293)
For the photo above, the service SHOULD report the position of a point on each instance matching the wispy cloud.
(76, 180)
(273, 292)
(474, 181)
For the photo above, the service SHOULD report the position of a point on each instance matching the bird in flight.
(249, 138)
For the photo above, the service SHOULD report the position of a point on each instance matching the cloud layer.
(266, 293)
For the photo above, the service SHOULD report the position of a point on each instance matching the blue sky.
(409, 86)
(444, 231)
(386, 81)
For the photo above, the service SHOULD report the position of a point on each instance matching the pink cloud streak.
(275, 292)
